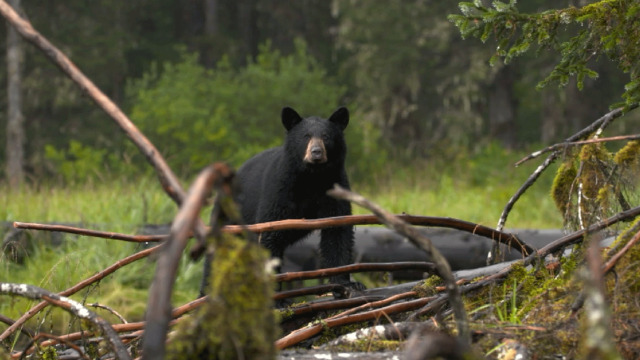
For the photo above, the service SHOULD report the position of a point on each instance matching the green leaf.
(486, 33)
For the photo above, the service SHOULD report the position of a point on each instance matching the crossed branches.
(160, 315)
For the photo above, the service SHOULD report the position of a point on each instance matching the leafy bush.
(196, 115)
(78, 163)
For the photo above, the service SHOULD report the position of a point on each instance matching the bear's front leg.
(336, 247)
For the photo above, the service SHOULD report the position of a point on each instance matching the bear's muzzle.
(316, 152)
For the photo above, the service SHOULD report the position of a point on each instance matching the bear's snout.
(316, 152)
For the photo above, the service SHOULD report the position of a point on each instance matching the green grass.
(476, 204)
(474, 189)
(118, 207)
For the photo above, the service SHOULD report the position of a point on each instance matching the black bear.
(291, 182)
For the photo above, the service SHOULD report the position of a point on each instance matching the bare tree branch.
(614, 259)
(168, 179)
(159, 305)
(120, 328)
(597, 125)
(74, 307)
(447, 222)
(307, 332)
(111, 310)
(508, 239)
(309, 290)
(564, 145)
(79, 286)
(442, 266)
(360, 267)
(88, 232)
(57, 339)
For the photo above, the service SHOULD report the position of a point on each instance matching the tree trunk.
(552, 115)
(247, 27)
(211, 17)
(15, 119)
(502, 109)
(210, 50)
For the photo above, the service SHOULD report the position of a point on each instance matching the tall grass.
(474, 188)
(470, 187)
(115, 206)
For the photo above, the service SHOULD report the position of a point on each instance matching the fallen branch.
(395, 331)
(306, 333)
(87, 232)
(28, 348)
(72, 306)
(375, 304)
(167, 178)
(159, 305)
(580, 234)
(137, 327)
(614, 259)
(441, 264)
(311, 224)
(79, 286)
(446, 222)
(9, 321)
(310, 290)
(314, 307)
(360, 267)
(118, 328)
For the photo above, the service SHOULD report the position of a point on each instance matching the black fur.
(279, 184)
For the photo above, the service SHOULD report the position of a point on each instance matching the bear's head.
(315, 143)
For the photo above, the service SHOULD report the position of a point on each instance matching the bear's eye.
(307, 136)
(325, 137)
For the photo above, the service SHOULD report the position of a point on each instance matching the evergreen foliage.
(580, 35)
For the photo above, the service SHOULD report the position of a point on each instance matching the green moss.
(629, 155)
(562, 184)
(593, 156)
(605, 195)
(627, 233)
(46, 353)
(238, 320)
(369, 345)
(427, 287)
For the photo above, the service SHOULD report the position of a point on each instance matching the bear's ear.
(290, 118)
(340, 117)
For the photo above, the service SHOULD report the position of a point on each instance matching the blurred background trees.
(206, 79)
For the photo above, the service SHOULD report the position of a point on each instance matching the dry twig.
(111, 310)
(88, 232)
